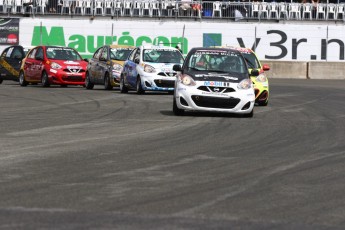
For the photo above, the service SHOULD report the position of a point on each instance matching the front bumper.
(197, 98)
(154, 82)
(261, 91)
(61, 77)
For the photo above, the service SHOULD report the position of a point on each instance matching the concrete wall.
(326, 70)
(305, 70)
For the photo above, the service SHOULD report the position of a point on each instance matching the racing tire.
(45, 80)
(123, 88)
(249, 115)
(88, 83)
(176, 110)
(263, 103)
(22, 81)
(1, 81)
(140, 89)
(107, 84)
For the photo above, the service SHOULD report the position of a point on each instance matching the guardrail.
(176, 9)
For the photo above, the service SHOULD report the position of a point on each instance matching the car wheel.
(88, 83)
(177, 111)
(263, 103)
(123, 88)
(140, 89)
(107, 84)
(45, 80)
(22, 81)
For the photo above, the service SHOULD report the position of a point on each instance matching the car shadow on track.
(201, 114)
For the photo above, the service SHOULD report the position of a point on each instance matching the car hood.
(70, 63)
(118, 62)
(163, 66)
(217, 76)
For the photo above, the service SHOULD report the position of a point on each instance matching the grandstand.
(197, 10)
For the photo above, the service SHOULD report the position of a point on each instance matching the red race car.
(53, 65)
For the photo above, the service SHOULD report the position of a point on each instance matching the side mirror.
(86, 59)
(136, 60)
(265, 67)
(39, 58)
(102, 59)
(177, 68)
(254, 72)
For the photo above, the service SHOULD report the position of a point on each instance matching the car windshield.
(162, 56)
(120, 54)
(217, 61)
(63, 53)
(251, 59)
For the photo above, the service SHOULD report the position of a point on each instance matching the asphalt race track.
(72, 158)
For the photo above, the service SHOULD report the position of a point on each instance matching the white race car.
(150, 68)
(215, 80)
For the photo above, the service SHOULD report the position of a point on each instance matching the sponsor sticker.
(71, 63)
(216, 83)
(166, 69)
(214, 94)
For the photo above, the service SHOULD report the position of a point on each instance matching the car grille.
(167, 74)
(215, 102)
(216, 89)
(74, 70)
(165, 83)
(72, 78)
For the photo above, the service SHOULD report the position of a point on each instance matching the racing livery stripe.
(9, 68)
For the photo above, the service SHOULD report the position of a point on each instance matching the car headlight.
(117, 67)
(187, 80)
(149, 69)
(261, 78)
(55, 65)
(245, 84)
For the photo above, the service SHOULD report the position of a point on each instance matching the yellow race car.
(260, 82)
(105, 66)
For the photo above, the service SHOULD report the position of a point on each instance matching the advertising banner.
(271, 41)
(9, 31)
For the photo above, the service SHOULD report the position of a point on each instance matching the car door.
(38, 64)
(130, 69)
(102, 66)
(29, 64)
(93, 65)
(10, 61)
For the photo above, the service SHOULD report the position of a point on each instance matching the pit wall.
(305, 70)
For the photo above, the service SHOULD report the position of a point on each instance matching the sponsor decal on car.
(215, 94)
(217, 83)
(71, 63)
(8, 67)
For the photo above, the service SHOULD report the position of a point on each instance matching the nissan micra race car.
(53, 65)
(106, 65)
(214, 80)
(150, 68)
(260, 82)
(10, 62)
